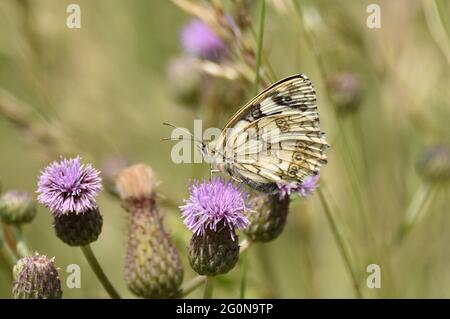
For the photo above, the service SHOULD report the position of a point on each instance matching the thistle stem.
(93, 262)
(6, 252)
(436, 26)
(262, 15)
(266, 262)
(340, 243)
(309, 37)
(209, 287)
(21, 245)
(243, 276)
(416, 210)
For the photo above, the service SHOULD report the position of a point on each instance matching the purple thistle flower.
(213, 203)
(303, 189)
(308, 186)
(199, 40)
(285, 189)
(69, 187)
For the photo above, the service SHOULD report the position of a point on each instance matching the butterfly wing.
(276, 137)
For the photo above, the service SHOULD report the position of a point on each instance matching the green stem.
(271, 72)
(436, 27)
(266, 263)
(416, 210)
(21, 245)
(262, 15)
(309, 36)
(243, 276)
(93, 262)
(340, 243)
(209, 287)
(6, 251)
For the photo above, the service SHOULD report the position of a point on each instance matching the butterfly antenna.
(182, 129)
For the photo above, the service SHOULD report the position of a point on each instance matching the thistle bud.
(345, 91)
(152, 266)
(434, 164)
(267, 217)
(240, 13)
(185, 80)
(69, 189)
(17, 208)
(79, 229)
(111, 168)
(223, 92)
(213, 212)
(36, 277)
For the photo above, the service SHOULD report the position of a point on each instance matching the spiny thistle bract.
(213, 212)
(153, 266)
(214, 252)
(267, 217)
(17, 208)
(79, 229)
(68, 189)
(269, 212)
(36, 277)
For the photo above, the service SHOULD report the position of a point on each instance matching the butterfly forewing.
(276, 137)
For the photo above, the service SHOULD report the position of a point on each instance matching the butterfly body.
(274, 139)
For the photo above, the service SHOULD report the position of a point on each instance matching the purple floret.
(69, 187)
(303, 189)
(199, 40)
(213, 203)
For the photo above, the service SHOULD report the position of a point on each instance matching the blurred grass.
(103, 89)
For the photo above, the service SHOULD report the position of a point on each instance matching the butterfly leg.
(236, 179)
(212, 171)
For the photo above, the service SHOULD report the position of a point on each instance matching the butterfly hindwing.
(276, 137)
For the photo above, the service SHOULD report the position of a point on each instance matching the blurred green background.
(102, 90)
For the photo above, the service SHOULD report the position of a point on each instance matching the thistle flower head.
(17, 207)
(69, 187)
(303, 189)
(199, 40)
(79, 229)
(36, 277)
(153, 267)
(345, 90)
(434, 163)
(213, 203)
(185, 80)
(267, 217)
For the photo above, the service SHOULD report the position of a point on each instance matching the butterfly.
(273, 140)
